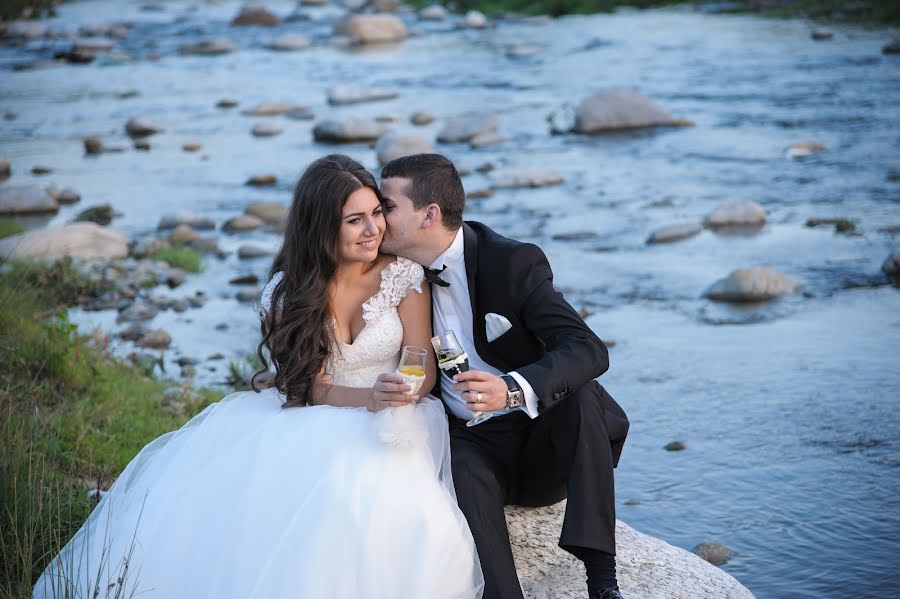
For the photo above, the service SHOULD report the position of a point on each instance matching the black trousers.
(514, 460)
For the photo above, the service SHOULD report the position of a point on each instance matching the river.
(788, 410)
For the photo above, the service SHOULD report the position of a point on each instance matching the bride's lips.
(370, 244)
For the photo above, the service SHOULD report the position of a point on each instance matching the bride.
(297, 491)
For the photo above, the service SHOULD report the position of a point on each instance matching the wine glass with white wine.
(452, 360)
(412, 367)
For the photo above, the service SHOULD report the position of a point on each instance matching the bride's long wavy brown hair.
(299, 336)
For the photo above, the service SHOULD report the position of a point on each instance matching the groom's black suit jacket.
(549, 344)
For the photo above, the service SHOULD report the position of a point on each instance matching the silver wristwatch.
(515, 397)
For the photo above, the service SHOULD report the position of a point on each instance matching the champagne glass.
(412, 367)
(452, 360)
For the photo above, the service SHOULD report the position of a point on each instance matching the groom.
(554, 431)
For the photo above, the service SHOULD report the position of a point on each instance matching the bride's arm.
(415, 314)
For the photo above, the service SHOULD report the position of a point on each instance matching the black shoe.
(610, 593)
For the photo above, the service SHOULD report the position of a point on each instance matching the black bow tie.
(433, 276)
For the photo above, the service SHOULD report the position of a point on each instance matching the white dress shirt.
(453, 312)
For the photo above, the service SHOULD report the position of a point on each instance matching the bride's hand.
(390, 391)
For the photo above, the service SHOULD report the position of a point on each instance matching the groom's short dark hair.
(433, 179)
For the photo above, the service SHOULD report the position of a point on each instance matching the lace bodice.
(376, 348)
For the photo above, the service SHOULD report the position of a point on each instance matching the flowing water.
(787, 410)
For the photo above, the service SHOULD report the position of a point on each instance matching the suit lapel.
(470, 248)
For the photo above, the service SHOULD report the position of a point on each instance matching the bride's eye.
(377, 212)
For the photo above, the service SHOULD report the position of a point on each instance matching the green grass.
(71, 418)
(9, 227)
(183, 258)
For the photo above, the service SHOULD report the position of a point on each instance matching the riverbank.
(71, 416)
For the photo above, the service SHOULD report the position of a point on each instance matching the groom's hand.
(483, 391)
(391, 391)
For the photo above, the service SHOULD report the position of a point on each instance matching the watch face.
(515, 400)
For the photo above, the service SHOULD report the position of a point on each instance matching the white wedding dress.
(249, 499)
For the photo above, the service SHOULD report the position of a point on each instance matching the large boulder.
(27, 199)
(348, 130)
(757, 284)
(620, 109)
(354, 94)
(647, 568)
(736, 214)
(372, 29)
(466, 127)
(85, 241)
(394, 145)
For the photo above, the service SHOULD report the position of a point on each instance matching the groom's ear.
(433, 216)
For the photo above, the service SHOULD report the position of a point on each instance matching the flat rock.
(275, 109)
(620, 109)
(804, 148)
(736, 214)
(647, 567)
(434, 12)
(240, 223)
(674, 233)
(475, 19)
(289, 42)
(249, 252)
(393, 145)
(372, 29)
(263, 130)
(464, 128)
(211, 47)
(85, 241)
(195, 220)
(757, 284)
(354, 94)
(255, 15)
(528, 177)
(347, 130)
(140, 128)
(26, 199)
(265, 180)
(267, 212)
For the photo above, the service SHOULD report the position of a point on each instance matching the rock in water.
(86, 241)
(804, 148)
(348, 130)
(211, 47)
(736, 214)
(394, 145)
(372, 29)
(268, 212)
(353, 94)
(464, 128)
(289, 43)
(891, 266)
(674, 233)
(621, 109)
(528, 177)
(255, 15)
(752, 285)
(27, 199)
(715, 553)
(140, 128)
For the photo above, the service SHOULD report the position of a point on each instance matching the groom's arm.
(573, 354)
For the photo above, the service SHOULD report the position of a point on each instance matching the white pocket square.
(495, 325)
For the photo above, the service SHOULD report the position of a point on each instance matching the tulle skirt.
(252, 500)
